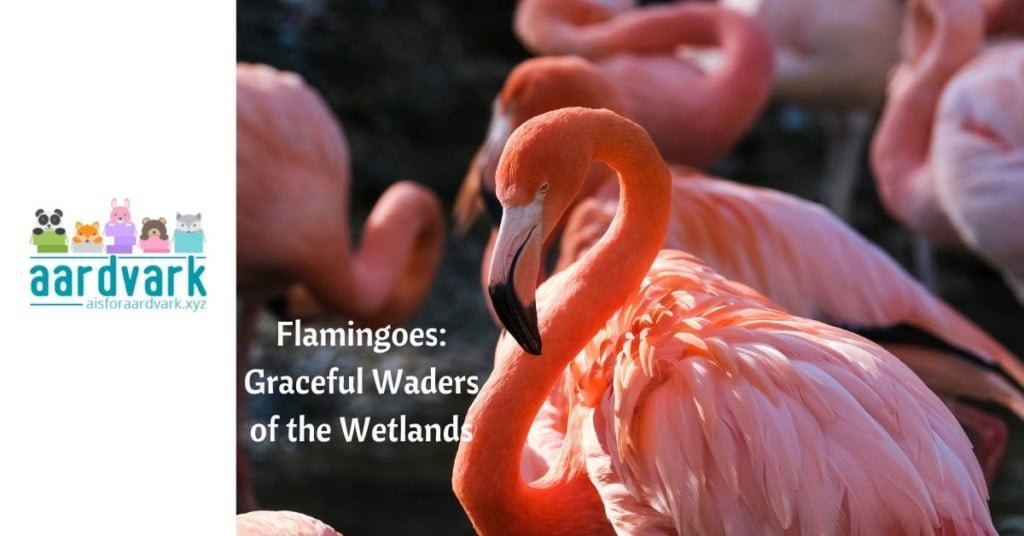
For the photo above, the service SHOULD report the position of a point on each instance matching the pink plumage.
(712, 413)
(978, 149)
(692, 403)
(281, 523)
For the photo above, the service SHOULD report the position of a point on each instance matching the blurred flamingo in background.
(697, 405)
(833, 57)
(795, 252)
(979, 159)
(949, 152)
(293, 216)
(282, 523)
(695, 117)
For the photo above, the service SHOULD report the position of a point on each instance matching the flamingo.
(293, 221)
(693, 117)
(979, 159)
(697, 406)
(949, 152)
(795, 252)
(833, 57)
(281, 523)
(293, 177)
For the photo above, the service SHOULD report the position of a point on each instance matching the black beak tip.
(532, 347)
(519, 320)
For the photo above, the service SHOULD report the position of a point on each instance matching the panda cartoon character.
(49, 236)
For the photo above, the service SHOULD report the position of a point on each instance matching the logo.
(118, 265)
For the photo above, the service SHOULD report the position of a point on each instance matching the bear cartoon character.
(120, 228)
(154, 237)
(49, 236)
(188, 234)
(87, 238)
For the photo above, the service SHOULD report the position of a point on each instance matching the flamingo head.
(534, 87)
(539, 176)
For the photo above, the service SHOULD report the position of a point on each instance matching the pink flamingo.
(793, 251)
(833, 57)
(979, 159)
(282, 523)
(697, 406)
(694, 117)
(949, 152)
(293, 219)
(293, 177)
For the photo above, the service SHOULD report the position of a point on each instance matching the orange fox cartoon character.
(87, 233)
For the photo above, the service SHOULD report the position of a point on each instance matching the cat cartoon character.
(49, 236)
(154, 237)
(188, 234)
(120, 227)
(87, 238)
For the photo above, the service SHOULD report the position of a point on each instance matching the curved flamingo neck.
(941, 37)
(386, 278)
(581, 299)
(744, 76)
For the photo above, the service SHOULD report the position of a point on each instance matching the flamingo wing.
(709, 411)
(811, 263)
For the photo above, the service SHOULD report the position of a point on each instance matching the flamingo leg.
(847, 135)
(988, 432)
(924, 262)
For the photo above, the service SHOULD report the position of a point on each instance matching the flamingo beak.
(497, 134)
(512, 281)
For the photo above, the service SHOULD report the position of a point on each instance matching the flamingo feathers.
(719, 413)
(808, 261)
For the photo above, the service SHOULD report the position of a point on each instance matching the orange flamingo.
(697, 406)
(793, 251)
(282, 523)
(293, 220)
(949, 152)
(693, 117)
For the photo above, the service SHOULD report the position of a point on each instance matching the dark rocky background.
(412, 83)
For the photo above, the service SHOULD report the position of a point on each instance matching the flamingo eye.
(543, 189)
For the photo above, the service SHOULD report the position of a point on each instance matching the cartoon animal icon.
(154, 237)
(49, 221)
(49, 236)
(120, 213)
(120, 227)
(87, 233)
(188, 234)
(87, 238)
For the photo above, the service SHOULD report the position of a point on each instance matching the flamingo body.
(949, 152)
(705, 410)
(978, 149)
(835, 55)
